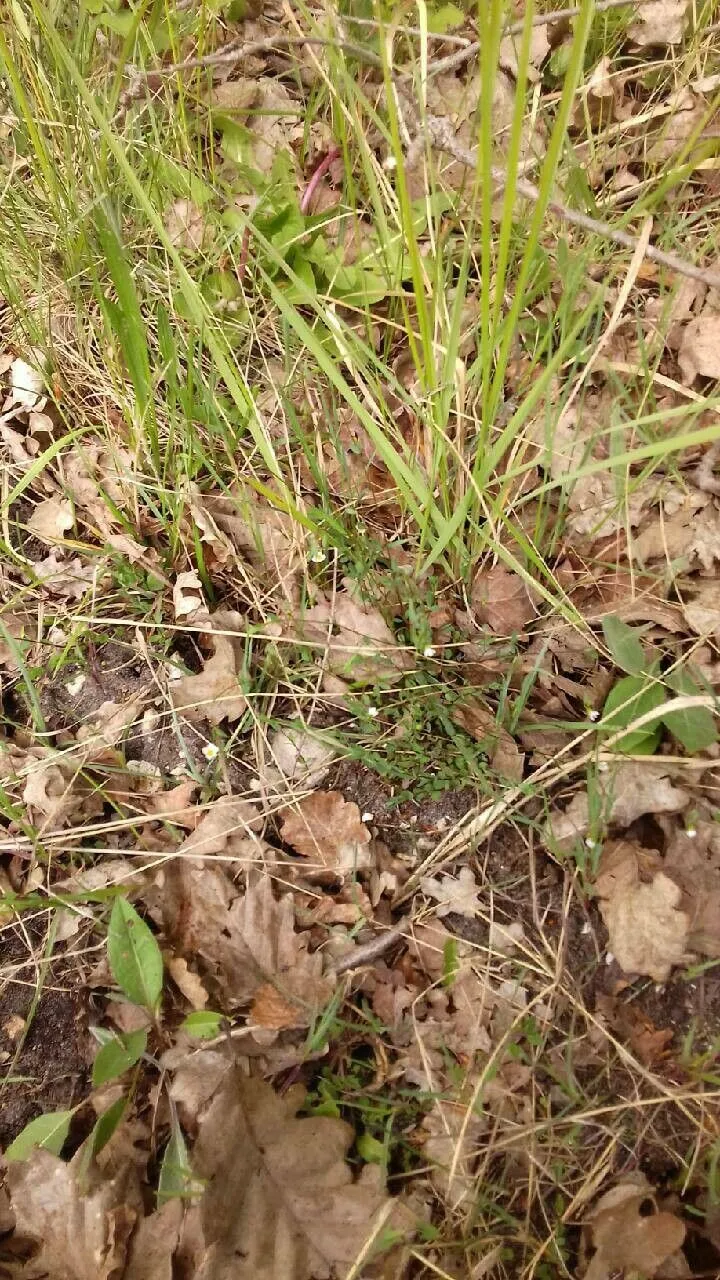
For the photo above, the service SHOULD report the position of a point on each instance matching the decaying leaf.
(51, 520)
(357, 642)
(701, 607)
(225, 827)
(452, 1148)
(27, 381)
(627, 791)
(188, 596)
(700, 347)
(186, 226)
(659, 22)
(501, 599)
(69, 579)
(243, 943)
(479, 721)
(214, 694)
(81, 1228)
(328, 830)
(453, 893)
(648, 931)
(280, 1202)
(300, 756)
(629, 1233)
(239, 524)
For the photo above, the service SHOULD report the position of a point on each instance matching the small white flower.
(210, 752)
(590, 843)
(691, 832)
(593, 715)
(603, 766)
(429, 651)
(373, 711)
(609, 957)
(367, 817)
(318, 556)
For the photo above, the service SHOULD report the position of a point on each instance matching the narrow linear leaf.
(134, 956)
(48, 1131)
(176, 1175)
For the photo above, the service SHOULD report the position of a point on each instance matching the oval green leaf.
(203, 1025)
(627, 701)
(48, 1131)
(624, 645)
(134, 956)
(117, 1056)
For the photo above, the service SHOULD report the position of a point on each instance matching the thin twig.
(441, 134)
(369, 952)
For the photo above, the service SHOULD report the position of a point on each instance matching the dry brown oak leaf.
(629, 1234)
(280, 1202)
(357, 641)
(80, 1225)
(214, 694)
(328, 831)
(246, 946)
(648, 932)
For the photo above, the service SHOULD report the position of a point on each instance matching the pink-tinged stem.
(317, 177)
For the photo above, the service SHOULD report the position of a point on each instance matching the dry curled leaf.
(501, 599)
(628, 791)
(451, 1148)
(214, 694)
(480, 722)
(243, 944)
(453, 893)
(648, 933)
(80, 1226)
(357, 642)
(298, 755)
(629, 1233)
(700, 348)
(280, 1202)
(186, 227)
(328, 830)
(188, 595)
(51, 520)
(659, 22)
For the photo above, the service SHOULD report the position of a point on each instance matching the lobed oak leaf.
(214, 694)
(629, 1233)
(501, 599)
(244, 943)
(80, 1225)
(453, 893)
(280, 1202)
(357, 642)
(327, 829)
(51, 520)
(648, 933)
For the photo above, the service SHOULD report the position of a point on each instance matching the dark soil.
(47, 1070)
(401, 826)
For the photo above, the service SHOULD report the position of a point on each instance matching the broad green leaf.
(371, 1150)
(106, 1124)
(176, 1176)
(629, 699)
(624, 645)
(134, 956)
(444, 19)
(203, 1025)
(695, 727)
(48, 1131)
(117, 1056)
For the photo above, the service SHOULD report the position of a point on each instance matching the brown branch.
(440, 132)
(369, 952)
